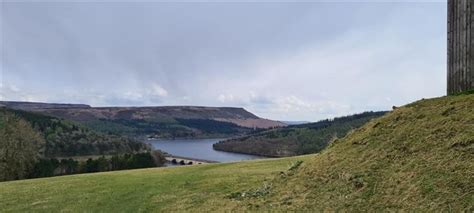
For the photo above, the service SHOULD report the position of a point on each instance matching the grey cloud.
(325, 59)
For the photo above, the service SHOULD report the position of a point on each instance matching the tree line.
(176, 128)
(66, 138)
(296, 139)
(54, 167)
(30, 145)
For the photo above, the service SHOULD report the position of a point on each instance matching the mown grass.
(192, 188)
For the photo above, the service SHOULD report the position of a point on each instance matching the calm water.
(199, 149)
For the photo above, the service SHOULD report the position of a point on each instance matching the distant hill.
(66, 138)
(37, 105)
(162, 122)
(296, 139)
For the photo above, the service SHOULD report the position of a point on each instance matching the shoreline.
(259, 155)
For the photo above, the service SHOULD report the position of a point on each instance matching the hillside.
(66, 138)
(297, 139)
(419, 157)
(160, 122)
(28, 106)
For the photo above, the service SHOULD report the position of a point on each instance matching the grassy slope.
(419, 157)
(195, 188)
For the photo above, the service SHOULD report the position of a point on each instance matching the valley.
(241, 106)
(418, 157)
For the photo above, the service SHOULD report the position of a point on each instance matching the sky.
(301, 61)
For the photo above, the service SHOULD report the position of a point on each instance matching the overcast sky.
(285, 61)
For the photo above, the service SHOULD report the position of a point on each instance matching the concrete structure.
(460, 46)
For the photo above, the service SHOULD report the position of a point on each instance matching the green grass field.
(419, 157)
(191, 188)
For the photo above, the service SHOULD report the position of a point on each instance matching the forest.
(176, 128)
(297, 139)
(67, 138)
(31, 145)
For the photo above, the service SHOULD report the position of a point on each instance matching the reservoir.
(198, 149)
